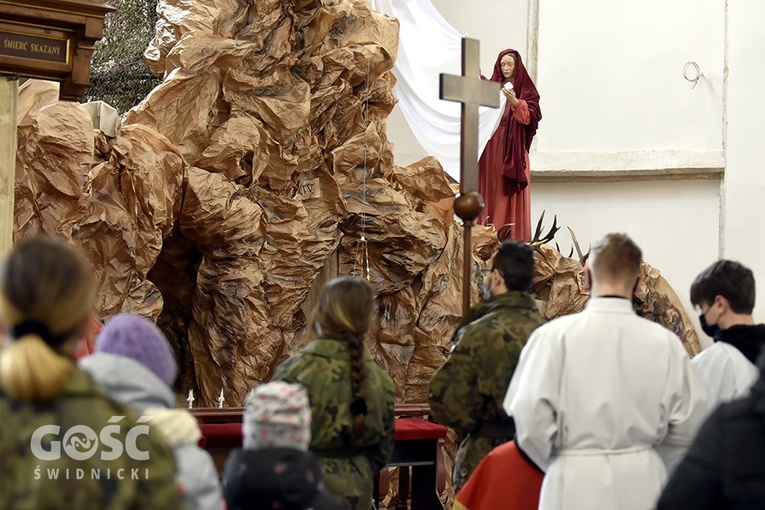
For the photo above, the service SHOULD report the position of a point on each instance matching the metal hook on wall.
(698, 73)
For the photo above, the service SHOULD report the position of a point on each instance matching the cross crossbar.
(470, 90)
(463, 89)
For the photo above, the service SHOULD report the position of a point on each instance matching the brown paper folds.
(559, 286)
(246, 179)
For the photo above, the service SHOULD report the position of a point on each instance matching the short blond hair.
(615, 258)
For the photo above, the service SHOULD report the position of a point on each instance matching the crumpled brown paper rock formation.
(116, 199)
(261, 157)
(559, 285)
(258, 169)
(656, 300)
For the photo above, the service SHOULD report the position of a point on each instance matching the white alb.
(606, 403)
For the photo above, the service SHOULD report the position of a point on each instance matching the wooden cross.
(470, 90)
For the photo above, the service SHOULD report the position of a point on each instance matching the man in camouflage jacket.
(467, 392)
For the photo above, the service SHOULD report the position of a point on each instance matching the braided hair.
(344, 313)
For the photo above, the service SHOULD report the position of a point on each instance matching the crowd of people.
(597, 410)
(103, 432)
(607, 409)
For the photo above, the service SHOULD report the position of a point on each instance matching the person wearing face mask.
(604, 401)
(724, 295)
(724, 468)
(466, 392)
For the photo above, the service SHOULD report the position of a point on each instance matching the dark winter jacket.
(268, 478)
(725, 467)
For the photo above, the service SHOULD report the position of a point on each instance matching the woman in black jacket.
(725, 466)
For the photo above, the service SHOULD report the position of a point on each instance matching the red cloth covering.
(504, 166)
(519, 136)
(229, 435)
(407, 429)
(221, 435)
(503, 480)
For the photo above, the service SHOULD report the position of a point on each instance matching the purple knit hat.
(138, 338)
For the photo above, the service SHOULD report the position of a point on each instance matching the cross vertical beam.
(9, 97)
(471, 92)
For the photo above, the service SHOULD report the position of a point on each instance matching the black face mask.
(708, 330)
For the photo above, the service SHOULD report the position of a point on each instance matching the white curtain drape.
(429, 46)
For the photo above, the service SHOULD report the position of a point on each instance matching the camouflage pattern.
(27, 482)
(474, 313)
(467, 392)
(323, 368)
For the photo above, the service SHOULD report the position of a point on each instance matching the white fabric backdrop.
(429, 46)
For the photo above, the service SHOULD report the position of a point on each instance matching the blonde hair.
(616, 258)
(344, 313)
(47, 291)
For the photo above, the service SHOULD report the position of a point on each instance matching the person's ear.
(722, 302)
(586, 279)
(496, 278)
(640, 283)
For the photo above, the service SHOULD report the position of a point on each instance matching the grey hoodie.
(129, 382)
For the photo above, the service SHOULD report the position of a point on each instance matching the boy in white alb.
(604, 401)
(724, 296)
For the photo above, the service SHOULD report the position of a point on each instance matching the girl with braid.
(351, 397)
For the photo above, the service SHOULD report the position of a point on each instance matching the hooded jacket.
(275, 477)
(128, 381)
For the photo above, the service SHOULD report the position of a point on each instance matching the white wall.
(614, 99)
(497, 24)
(744, 207)
(610, 75)
(675, 223)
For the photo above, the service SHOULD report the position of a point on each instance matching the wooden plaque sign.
(52, 40)
(30, 47)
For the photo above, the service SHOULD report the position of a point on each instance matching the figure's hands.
(510, 95)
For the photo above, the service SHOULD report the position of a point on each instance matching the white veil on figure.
(429, 46)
